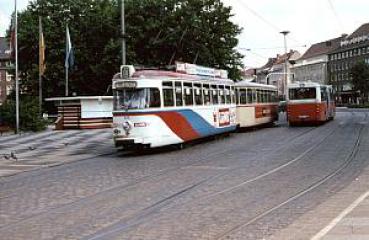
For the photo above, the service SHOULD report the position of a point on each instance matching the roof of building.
(362, 30)
(4, 46)
(322, 48)
(291, 55)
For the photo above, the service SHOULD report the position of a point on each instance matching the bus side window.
(168, 94)
(323, 92)
(179, 95)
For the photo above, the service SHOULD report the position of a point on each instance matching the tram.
(309, 102)
(154, 108)
(257, 104)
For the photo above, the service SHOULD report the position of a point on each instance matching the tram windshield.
(302, 93)
(137, 98)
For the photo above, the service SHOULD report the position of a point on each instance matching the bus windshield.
(302, 93)
(136, 98)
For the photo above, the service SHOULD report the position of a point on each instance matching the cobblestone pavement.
(251, 185)
(50, 148)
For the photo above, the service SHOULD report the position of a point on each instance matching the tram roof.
(246, 83)
(305, 84)
(171, 75)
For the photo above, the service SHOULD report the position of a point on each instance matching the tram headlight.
(116, 131)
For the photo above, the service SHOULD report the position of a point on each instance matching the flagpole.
(66, 81)
(16, 70)
(66, 65)
(40, 67)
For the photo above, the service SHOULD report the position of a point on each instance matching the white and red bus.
(154, 108)
(257, 104)
(310, 102)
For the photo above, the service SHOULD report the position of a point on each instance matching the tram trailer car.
(310, 102)
(155, 108)
(257, 104)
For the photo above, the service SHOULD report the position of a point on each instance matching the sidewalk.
(20, 153)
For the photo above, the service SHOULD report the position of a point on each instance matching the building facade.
(313, 65)
(6, 79)
(273, 72)
(351, 50)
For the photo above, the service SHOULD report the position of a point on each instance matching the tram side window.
(221, 95)
(214, 94)
(249, 95)
(253, 93)
(179, 97)
(233, 95)
(266, 96)
(258, 96)
(206, 94)
(271, 94)
(168, 94)
(228, 95)
(198, 94)
(243, 96)
(188, 94)
(237, 96)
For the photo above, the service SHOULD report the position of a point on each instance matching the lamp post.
(285, 70)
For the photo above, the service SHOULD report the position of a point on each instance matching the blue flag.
(69, 53)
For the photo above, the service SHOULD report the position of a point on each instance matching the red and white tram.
(154, 108)
(257, 104)
(310, 102)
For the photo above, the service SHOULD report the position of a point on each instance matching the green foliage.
(29, 118)
(360, 79)
(159, 32)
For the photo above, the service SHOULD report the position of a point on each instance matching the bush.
(29, 118)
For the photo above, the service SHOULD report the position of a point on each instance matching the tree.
(159, 32)
(360, 79)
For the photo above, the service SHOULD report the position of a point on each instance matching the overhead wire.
(243, 4)
(340, 23)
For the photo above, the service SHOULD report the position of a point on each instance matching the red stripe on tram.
(174, 120)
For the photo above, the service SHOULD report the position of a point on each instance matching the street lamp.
(123, 33)
(285, 70)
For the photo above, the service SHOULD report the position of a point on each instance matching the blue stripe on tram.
(200, 125)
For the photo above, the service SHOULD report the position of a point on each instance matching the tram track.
(148, 213)
(349, 159)
(206, 158)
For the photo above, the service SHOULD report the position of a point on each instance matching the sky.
(309, 22)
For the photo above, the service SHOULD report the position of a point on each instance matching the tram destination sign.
(126, 84)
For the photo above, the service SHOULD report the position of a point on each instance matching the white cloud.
(6, 9)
